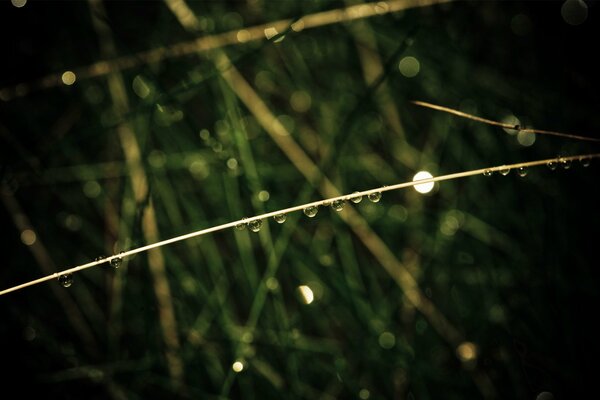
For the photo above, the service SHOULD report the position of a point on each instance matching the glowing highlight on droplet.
(423, 187)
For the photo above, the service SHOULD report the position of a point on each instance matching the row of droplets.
(66, 280)
(310, 211)
(553, 164)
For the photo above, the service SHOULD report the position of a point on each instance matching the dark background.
(517, 275)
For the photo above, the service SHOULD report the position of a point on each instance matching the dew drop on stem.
(65, 280)
(338, 205)
(522, 171)
(356, 198)
(488, 172)
(255, 225)
(311, 211)
(241, 225)
(585, 161)
(280, 218)
(116, 262)
(374, 197)
(566, 164)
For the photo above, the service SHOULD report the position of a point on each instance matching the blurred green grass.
(506, 260)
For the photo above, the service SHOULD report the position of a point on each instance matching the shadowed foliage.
(483, 288)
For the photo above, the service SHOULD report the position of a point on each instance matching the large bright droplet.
(306, 293)
(423, 187)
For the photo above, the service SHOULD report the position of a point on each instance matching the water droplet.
(504, 171)
(311, 211)
(116, 262)
(566, 164)
(241, 225)
(65, 280)
(488, 172)
(522, 171)
(280, 218)
(374, 197)
(356, 199)
(551, 165)
(585, 162)
(255, 225)
(99, 258)
(338, 205)
(326, 203)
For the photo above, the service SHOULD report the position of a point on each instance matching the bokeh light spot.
(18, 3)
(28, 237)
(574, 12)
(409, 66)
(306, 293)
(467, 351)
(68, 78)
(423, 187)
(237, 366)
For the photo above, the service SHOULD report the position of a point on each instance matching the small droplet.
(566, 164)
(374, 197)
(65, 280)
(311, 211)
(488, 172)
(585, 162)
(522, 171)
(255, 225)
(356, 199)
(116, 262)
(241, 226)
(551, 165)
(338, 205)
(280, 218)
(99, 258)
(504, 171)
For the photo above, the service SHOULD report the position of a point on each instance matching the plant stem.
(288, 210)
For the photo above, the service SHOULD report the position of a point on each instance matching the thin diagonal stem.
(502, 124)
(288, 210)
